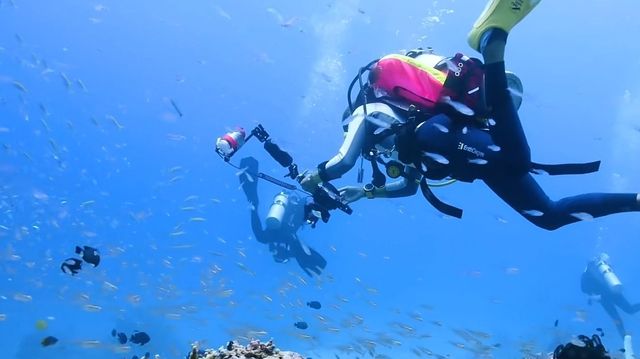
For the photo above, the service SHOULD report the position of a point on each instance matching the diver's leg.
(610, 308)
(507, 131)
(489, 36)
(256, 226)
(623, 303)
(524, 195)
(249, 184)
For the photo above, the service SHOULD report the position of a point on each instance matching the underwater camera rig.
(325, 198)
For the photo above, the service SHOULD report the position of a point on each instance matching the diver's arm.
(350, 150)
(354, 141)
(404, 187)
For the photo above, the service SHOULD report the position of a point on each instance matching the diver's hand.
(314, 212)
(351, 194)
(309, 180)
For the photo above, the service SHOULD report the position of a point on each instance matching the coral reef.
(233, 350)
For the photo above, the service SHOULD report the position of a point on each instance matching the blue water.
(109, 163)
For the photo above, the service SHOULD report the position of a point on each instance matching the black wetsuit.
(500, 156)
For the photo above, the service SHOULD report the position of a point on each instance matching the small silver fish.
(441, 128)
(533, 213)
(436, 157)
(175, 107)
(478, 161)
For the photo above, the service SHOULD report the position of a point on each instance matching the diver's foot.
(501, 14)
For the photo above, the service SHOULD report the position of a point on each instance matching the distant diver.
(285, 217)
(602, 285)
(422, 117)
(582, 347)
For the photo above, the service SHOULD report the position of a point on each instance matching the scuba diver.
(426, 118)
(582, 347)
(601, 284)
(285, 217)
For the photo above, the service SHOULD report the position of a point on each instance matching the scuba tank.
(628, 347)
(276, 212)
(608, 276)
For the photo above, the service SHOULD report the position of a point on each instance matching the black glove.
(310, 210)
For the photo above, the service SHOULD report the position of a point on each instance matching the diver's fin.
(502, 14)
(248, 179)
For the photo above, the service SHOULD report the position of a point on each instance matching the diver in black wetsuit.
(601, 284)
(448, 144)
(285, 217)
(582, 347)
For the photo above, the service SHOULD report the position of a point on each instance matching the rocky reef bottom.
(234, 350)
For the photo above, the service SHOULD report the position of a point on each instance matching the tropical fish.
(141, 338)
(301, 325)
(71, 266)
(48, 341)
(314, 304)
(89, 255)
(122, 338)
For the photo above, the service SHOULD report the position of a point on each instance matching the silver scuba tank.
(628, 347)
(608, 276)
(276, 212)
